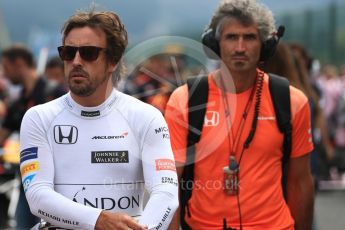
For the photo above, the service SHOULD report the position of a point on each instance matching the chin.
(240, 66)
(80, 91)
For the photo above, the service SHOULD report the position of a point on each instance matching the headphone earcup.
(268, 48)
(209, 41)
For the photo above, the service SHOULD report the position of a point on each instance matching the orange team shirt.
(261, 198)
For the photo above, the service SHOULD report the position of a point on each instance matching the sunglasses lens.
(67, 53)
(89, 53)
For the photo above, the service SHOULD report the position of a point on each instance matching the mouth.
(239, 58)
(77, 75)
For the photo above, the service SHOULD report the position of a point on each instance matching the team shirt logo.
(164, 131)
(106, 202)
(267, 118)
(165, 164)
(29, 168)
(28, 154)
(65, 134)
(211, 118)
(109, 157)
(27, 181)
(90, 113)
(104, 137)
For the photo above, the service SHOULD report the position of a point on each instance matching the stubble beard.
(82, 89)
(86, 88)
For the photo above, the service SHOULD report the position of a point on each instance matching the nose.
(240, 46)
(77, 59)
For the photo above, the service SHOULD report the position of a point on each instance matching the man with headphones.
(238, 159)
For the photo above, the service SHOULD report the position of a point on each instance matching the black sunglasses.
(87, 53)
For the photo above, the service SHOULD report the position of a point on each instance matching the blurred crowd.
(324, 87)
(154, 80)
(21, 87)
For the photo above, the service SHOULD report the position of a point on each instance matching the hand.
(117, 221)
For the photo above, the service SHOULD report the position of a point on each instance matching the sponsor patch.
(211, 118)
(165, 164)
(109, 157)
(164, 131)
(90, 113)
(27, 180)
(65, 134)
(107, 202)
(29, 168)
(28, 154)
(57, 218)
(164, 218)
(169, 180)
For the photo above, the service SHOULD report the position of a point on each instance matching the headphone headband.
(268, 48)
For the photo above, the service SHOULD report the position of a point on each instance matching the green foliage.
(321, 31)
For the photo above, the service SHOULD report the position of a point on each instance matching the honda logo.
(65, 134)
(211, 118)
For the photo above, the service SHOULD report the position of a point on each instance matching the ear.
(112, 66)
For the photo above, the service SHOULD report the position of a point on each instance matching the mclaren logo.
(122, 136)
(65, 134)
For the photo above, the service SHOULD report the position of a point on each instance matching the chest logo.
(109, 157)
(65, 134)
(211, 118)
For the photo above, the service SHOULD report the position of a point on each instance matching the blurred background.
(316, 26)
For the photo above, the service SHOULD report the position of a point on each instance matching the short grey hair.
(247, 12)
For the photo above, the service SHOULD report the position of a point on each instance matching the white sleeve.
(160, 176)
(37, 170)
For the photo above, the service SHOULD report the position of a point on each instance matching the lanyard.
(232, 139)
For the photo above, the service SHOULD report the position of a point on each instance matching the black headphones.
(268, 48)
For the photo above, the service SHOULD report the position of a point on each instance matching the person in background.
(290, 62)
(238, 182)
(19, 68)
(3, 94)
(4, 176)
(342, 73)
(54, 71)
(151, 82)
(283, 64)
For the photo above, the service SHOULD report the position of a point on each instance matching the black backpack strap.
(280, 94)
(197, 102)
